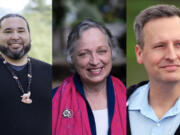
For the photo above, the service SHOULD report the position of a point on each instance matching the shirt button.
(158, 124)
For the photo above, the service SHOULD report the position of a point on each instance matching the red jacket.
(67, 101)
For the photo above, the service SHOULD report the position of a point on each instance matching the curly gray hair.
(76, 34)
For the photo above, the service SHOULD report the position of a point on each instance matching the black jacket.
(17, 118)
(130, 90)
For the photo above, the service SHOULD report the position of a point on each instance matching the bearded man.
(25, 83)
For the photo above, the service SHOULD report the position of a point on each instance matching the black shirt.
(17, 118)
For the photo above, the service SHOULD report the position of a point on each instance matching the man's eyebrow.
(21, 28)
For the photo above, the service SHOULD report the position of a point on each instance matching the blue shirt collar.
(138, 101)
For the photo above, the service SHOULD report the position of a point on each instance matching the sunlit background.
(39, 16)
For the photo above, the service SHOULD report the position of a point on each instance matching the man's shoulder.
(133, 88)
(39, 63)
(137, 95)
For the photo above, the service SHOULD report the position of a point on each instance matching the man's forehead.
(161, 20)
(162, 30)
(13, 22)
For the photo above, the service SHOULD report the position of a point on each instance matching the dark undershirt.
(17, 118)
(21, 72)
(17, 68)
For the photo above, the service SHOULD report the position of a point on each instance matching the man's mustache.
(15, 42)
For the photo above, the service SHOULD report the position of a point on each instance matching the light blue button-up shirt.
(143, 120)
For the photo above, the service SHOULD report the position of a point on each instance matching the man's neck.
(163, 96)
(19, 62)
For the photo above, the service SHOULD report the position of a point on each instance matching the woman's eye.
(82, 54)
(102, 51)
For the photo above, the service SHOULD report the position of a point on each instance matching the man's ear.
(139, 51)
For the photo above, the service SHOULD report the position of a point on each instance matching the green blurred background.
(40, 21)
(135, 72)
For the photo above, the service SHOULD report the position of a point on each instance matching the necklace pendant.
(26, 98)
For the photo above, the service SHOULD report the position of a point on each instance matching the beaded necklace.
(26, 96)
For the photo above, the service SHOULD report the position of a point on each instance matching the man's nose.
(15, 35)
(171, 53)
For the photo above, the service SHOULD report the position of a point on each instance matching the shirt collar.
(174, 110)
(139, 98)
(138, 101)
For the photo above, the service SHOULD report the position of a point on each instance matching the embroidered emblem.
(67, 113)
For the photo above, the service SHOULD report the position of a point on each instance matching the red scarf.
(69, 111)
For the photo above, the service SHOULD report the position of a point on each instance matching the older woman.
(91, 102)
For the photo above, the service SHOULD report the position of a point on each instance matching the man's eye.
(21, 31)
(178, 44)
(7, 31)
(159, 46)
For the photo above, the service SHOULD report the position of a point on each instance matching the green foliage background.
(136, 72)
(40, 21)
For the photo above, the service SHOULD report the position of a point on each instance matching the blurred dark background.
(66, 14)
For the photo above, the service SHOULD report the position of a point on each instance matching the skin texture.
(92, 57)
(15, 37)
(161, 58)
(161, 52)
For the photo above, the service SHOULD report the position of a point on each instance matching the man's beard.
(15, 55)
